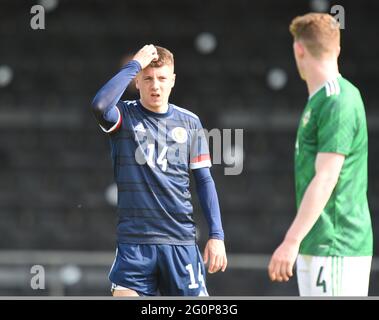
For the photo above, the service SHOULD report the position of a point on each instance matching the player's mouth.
(155, 95)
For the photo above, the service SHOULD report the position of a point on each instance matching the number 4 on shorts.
(321, 283)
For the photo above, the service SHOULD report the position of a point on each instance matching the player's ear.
(173, 80)
(298, 49)
(136, 81)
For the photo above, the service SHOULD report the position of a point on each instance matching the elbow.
(98, 107)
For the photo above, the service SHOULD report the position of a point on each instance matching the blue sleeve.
(199, 152)
(207, 194)
(104, 103)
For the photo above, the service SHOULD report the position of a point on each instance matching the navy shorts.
(159, 269)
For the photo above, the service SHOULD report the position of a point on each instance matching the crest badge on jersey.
(306, 117)
(179, 135)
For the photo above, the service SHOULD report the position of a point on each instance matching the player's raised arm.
(214, 251)
(104, 103)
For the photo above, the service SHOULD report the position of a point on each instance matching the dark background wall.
(55, 164)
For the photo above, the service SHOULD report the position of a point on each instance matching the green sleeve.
(336, 127)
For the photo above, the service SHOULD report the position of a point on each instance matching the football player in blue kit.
(154, 144)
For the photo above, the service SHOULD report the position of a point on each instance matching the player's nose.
(154, 85)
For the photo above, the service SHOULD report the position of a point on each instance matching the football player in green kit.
(330, 238)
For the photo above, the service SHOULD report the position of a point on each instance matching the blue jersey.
(152, 154)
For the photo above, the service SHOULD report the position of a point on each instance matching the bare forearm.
(328, 167)
(311, 207)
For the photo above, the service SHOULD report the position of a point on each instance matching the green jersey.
(334, 120)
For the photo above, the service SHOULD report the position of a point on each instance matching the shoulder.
(185, 113)
(127, 104)
(342, 103)
(349, 91)
(332, 89)
(341, 90)
(339, 94)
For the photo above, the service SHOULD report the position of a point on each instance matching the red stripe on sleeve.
(200, 158)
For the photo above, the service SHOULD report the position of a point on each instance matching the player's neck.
(161, 109)
(318, 73)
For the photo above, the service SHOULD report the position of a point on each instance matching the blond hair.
(319, 32)
(165, 57)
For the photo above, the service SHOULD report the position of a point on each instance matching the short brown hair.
(319, 32)
(165, 57)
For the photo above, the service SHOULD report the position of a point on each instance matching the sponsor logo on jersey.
(179, 134)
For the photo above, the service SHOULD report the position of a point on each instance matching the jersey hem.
(156, 241)
(336, 254)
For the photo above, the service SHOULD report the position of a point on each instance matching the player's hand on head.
(215, 255)
(146, 55)
(282, 262)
